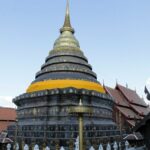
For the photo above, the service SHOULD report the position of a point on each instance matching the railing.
(114, 146)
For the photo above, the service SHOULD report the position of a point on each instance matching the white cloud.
(6, 101)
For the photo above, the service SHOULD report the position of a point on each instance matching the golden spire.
(67, 17)
(67, 24)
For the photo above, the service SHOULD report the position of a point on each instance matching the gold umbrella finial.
(67, 17)
(67, 23)
(67, 8)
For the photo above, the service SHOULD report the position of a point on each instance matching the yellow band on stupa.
(60, 84)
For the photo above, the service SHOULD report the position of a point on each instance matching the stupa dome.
(63, 81)
(66, 66)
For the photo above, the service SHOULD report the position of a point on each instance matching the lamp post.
(80, 110)
(16, 132)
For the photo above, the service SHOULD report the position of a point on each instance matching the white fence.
(116, 146)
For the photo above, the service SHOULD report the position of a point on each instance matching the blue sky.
(113, 34)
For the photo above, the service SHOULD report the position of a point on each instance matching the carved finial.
(103, 82)
(116, 82)
(135, 89)
(147, 93)
(67, 24)
(126, 85)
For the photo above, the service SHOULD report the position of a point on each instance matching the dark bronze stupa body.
(64, 79)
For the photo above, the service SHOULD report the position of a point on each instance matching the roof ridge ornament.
(67, 23)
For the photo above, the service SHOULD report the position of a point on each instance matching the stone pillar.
(26, 147)
(36, 147)
(100, 147)
(8, 146)
(47, 148)
(120, 120)
(22, 145)
(108, 147)
(119, 145)
(71, 145)
(126, 145)
(91, 148)
(95, 144)
(57, 145)
(44, 146)
(32, 145)
(115, 146)
(80, 132)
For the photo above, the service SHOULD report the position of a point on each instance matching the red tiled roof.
(118, 98)
(4, 125)
(141, 110)
(131, 95)
(7, 114)
(127, 112)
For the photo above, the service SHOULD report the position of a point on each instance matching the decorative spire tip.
(67, 24)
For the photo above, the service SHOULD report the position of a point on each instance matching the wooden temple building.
(129, 108)
(7, 117)
(144, 125)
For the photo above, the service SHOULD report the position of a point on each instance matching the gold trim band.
(60, 84)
